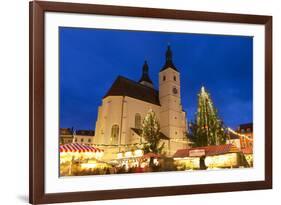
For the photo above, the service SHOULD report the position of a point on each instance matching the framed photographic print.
(139, 102)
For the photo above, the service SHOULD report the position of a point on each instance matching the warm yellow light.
(99, 155)
(88, 155)
(128, 154)
(88, 166)
(227, 160)
(138, 153)
(188, 163)
(119, 155)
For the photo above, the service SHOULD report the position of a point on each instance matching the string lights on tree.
(207, 129)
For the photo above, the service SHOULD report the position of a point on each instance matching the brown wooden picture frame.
(37, 193)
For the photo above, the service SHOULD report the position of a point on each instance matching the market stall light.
(138, 153)
(119, 155)
(76, 155)
(88, 166)
(89, 154)
(128, 154)
(227, 160)
(188, 163)
(155, 162)
(99, 155)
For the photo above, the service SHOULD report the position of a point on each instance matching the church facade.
(127, 102)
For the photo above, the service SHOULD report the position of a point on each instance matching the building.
(65, 135)
(246, 130)
(242, 138)
(127, 102)
(68, 135)
(85, 137)
(234, 139)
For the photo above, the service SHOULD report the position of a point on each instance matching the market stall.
(73, 155)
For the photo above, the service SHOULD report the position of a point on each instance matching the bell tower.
(173, 121)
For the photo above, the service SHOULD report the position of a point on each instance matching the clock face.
(175, 90)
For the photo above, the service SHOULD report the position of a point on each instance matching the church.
(127, 102)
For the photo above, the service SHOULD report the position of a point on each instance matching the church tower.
(172, 117)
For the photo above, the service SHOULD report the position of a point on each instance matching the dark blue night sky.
(91, 59)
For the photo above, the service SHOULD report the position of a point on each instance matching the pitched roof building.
(127, 102)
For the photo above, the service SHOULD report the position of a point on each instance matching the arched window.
(164, 78)
(138, 121)
(175, 78)
(114, 134)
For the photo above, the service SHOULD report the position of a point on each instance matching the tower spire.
(145, 68)
(145, 79)
(169, 59)
(169, 55)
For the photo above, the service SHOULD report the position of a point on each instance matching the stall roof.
(209, 150)
(75, 147)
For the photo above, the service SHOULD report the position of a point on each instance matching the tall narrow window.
(175, 78)
(164, 78)
(114, 134)
(138, 121)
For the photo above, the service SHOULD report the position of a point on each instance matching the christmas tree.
(207, 129)
(151, 133)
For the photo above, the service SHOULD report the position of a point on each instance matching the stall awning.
(207, 150)
(75, 147)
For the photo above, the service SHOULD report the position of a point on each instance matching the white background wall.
(14, 100)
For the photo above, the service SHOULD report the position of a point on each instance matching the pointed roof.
(125, 87)
(169, 60)
(145, 76)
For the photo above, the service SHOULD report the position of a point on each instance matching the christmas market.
(142, 129)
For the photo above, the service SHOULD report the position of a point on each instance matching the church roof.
(125, 87)
(169, 60)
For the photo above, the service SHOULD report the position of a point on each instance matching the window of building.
(82, 140)
(164, 78)
(114, 134)
(138, 121)
(89, 140)
(175, 78)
